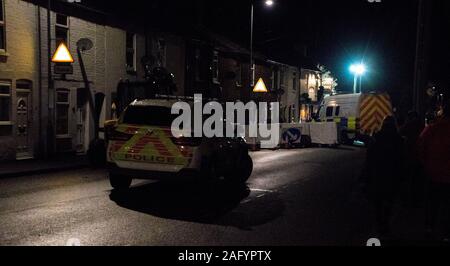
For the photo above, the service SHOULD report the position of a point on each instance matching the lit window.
(62, 112)
(131, 52)
(62, 29)
(2, 28)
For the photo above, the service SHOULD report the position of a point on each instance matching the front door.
(24, 123)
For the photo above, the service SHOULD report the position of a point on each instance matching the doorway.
(24, 120)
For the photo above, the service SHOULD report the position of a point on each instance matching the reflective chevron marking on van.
(150, 145)
(374, 108)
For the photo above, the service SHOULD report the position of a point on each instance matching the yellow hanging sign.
(62, 55)
(260, 87)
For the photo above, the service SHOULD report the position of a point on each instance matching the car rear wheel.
(209, 169)
(243, 171)
(119, 182)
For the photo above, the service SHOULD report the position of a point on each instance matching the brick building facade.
(36, 118)
(40, 118)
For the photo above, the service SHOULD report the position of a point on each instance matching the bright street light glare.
(358, 69)
(269, 2)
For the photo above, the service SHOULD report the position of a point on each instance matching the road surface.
(294, 197)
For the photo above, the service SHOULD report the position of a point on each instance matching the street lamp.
(358, 71)
(268, 3)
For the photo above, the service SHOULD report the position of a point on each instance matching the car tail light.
(193, 142)
(115, 135)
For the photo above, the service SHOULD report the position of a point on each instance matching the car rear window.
(149, 116)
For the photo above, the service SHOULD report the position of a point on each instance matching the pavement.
(306, 197)
(35, 167)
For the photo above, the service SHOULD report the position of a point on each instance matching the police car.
(140, 145)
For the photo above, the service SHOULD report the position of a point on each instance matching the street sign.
(64, 69)
(292, 136)
(85, 44)
(62, 55)
(260, 87)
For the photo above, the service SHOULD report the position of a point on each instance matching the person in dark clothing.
(384, 163)
(434, 152)
(411, 131)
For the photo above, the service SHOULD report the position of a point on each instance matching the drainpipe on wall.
(50, 137)
(41, 139)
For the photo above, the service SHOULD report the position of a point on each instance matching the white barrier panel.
(291, 134)
(325, 133)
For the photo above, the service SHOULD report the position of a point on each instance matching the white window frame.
(9, 96)
(65, 27)
(134, 67)
(67, 103)
(3, 25)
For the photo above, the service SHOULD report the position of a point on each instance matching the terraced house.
(43, 113)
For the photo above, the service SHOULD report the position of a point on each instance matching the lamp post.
(268, 3)
(358, 71)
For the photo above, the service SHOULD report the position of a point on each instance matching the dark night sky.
(336, 33)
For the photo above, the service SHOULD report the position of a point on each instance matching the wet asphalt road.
(294, 197)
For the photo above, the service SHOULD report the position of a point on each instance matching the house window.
(2, 28)
(5, 103)
(62, 29)
(294, 82)
(312, 93)
(162, 52)
(275, 79)
(239, 75)
(24, 84)
(62, 112)
(198, 65)
(131, 52)
(282, 81)
(215, 68)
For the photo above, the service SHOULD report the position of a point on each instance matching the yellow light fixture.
(62, 55)
(260, 87)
